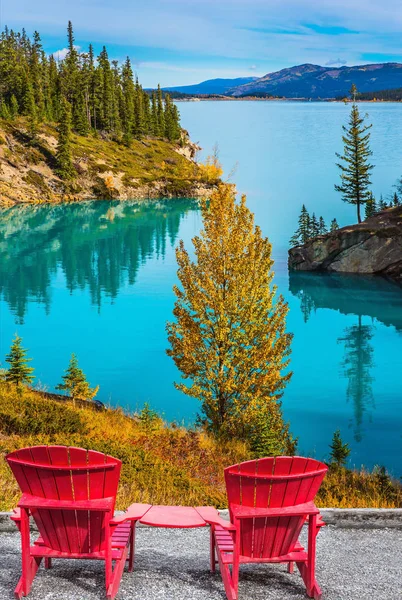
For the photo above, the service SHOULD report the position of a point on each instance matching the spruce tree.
(75, 382)
(106, 97)
(334, 225)
(339, 451)
(303, 232)
(19, 371)
(128, 119)
(314, 226)
(354, 165)
(102, 96)
(30, 108)
(395, 199)
(382, 205)
(36, 76)
(371, 207)
(65, 168)
(139, 115)
(4, 111)
(160, 112)
(14, 108)
(154, 114)
(172, 131)
(322, 228)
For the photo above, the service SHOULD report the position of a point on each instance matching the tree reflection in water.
(97, 245)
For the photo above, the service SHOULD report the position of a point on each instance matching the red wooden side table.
(181, 517)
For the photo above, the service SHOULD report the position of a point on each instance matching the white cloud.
(61, 54)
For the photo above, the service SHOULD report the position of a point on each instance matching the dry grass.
(162, 464)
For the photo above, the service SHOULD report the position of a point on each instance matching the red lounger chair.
(71, 495)
(269, 500)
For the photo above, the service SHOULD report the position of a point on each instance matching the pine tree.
(30, 108)
(334, 225)
(4, 111)
(154, 114)
(172, 130)
(160, 112)
(371, 207)
(229, 337)
(19, 371)
(314, 226)
(339, 450)
(36, 75)
(128, 119)
(322, 228)
(149, 419)
(105, 91)
(355, 168)
(75, 382)
(14, 108)
(102, 95)
(303, 232)
(139, 115)
(64, 160)
(382, 205)
(395, 199)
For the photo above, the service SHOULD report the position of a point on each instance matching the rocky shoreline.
(371, 247)
(105, 169)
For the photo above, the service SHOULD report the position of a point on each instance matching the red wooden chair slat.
(79, 479)
(283, 488)
(247, 486)
(96, 483)
(59, 455)
(71, 494)
(262, 498)
(42, 486)
(289, 527)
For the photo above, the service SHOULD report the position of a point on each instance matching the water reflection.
(373, 296)
(97, 246)
(357, 365)
(371, 299)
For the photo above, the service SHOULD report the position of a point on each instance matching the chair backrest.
(271, 483)
(67, 473)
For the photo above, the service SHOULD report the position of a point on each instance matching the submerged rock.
(374, 246)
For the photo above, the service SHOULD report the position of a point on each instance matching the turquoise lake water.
(96, 279)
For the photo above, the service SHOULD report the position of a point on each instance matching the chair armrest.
(16, 516)
(101, 504)
(298, 510)
(212, 517)
(134, 513)
(320, 521)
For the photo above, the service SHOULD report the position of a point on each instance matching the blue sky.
(177, 42)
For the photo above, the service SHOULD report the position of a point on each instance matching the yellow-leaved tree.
(229, 335)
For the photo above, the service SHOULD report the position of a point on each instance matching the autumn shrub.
(162, 464)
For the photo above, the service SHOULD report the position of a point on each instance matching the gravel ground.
(352, 564)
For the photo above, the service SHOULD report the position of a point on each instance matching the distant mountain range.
(212, 86)
(305, 81)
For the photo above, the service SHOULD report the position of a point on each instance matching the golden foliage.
(229, 337)
(161, 465)
(211, 170)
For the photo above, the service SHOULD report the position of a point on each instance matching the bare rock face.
(374, 246)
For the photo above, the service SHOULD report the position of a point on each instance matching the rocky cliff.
(374, 246)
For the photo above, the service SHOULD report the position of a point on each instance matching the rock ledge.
(374, 247)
